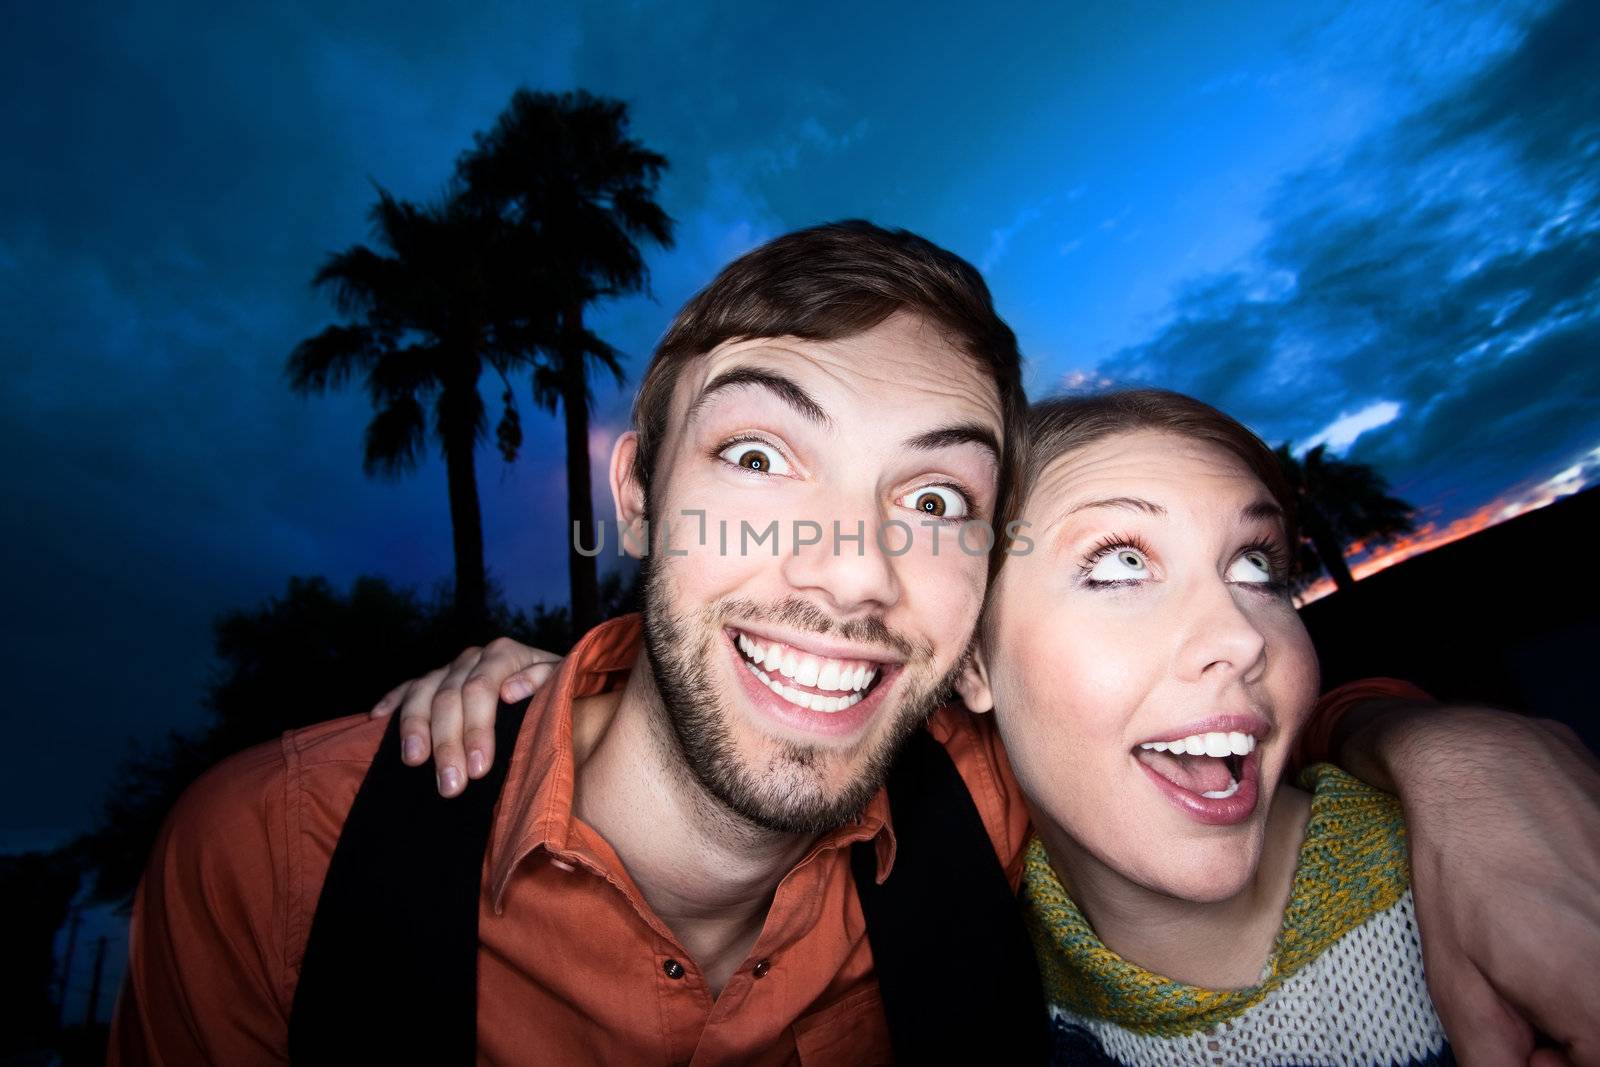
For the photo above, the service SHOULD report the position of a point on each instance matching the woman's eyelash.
(1103, 548)
(1277, 556)
(1277, 563)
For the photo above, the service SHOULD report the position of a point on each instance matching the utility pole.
(93, 1008)
(66, 965)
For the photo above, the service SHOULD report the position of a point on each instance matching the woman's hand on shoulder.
(450, 711)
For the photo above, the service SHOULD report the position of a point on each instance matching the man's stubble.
(784, 795)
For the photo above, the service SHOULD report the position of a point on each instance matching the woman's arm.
(1503, 814)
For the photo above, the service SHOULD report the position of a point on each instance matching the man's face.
(790, 677)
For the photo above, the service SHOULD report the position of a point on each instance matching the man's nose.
(840, 560)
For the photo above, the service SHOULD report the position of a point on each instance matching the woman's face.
(1146, 666)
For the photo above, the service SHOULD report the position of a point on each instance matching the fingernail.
(449, 781)
(475, 763)
(517, 690)
(411, 750)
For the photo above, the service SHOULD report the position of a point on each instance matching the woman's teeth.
(1201, 763)
(1212, 744)
(836, 675)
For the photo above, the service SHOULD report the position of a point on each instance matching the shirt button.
(761, 968)
(673, 969)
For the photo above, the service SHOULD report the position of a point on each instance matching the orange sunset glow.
(1429, 535)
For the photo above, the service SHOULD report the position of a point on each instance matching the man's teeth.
(836, 675)
(811, 701)
(1212, 744)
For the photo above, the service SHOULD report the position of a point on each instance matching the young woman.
(1149, 676)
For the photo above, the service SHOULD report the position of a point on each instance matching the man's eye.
(753, 457)
(1120, 565)
(936, 501)
(1252, 566)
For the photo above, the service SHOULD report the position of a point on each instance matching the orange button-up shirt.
(573, 966)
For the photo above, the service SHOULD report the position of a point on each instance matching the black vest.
(394, 941)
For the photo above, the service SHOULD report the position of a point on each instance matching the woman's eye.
(936, 501)
(1120, 565)
(762, 459)
(1251, 566)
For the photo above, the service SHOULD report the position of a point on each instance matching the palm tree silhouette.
(431, 310)
(1340, 503)
(561, 171)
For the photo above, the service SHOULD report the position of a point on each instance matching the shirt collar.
(535, 807)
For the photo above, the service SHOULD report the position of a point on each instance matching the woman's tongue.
(1198, 774)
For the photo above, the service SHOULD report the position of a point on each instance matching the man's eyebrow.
(785, 389)
(1131, 503)
(966, 433)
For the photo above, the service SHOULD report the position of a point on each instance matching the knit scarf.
(1352, 865)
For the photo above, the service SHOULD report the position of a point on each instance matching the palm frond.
(508, 434)
(406, 370)
(395, 438)
(606, 356)
(360, 278)
(640, 215)
(331, 358)
(546, 386)
(1353, 499)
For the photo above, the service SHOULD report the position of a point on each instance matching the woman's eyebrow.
(1125, 503)
(1129, 503)
(1262, 510)
(781, 386)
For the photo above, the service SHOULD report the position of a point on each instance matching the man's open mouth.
(816, 683)
(1209, 764)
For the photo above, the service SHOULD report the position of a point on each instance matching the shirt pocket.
(851, 1032)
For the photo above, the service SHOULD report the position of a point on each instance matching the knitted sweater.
(1343, 985)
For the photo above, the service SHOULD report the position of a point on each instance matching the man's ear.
(973, 682)
(627, 495)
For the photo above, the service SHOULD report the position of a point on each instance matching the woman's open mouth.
(1212, 776)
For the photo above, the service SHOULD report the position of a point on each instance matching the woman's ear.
(627, 496)
(973, 682)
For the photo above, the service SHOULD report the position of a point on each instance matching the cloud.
(1000, 238)
(1543, 99)
(1437, 304)
(1342, 432)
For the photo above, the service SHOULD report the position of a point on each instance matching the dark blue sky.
(1374, 224)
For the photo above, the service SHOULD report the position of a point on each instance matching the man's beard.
(787, 794)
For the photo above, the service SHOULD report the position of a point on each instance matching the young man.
(672, 869)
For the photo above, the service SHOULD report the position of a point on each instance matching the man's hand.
(450, 711)
(1503, 816)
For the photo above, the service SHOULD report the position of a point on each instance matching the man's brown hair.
(831, 282)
